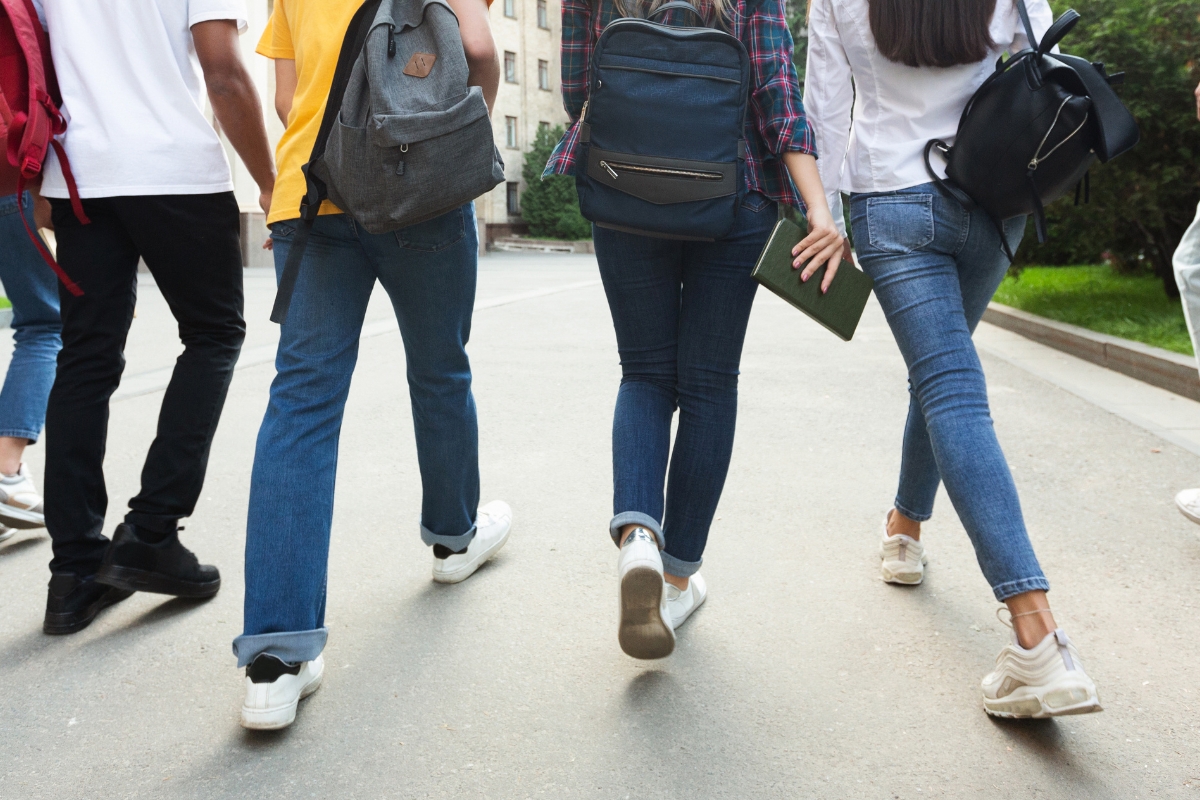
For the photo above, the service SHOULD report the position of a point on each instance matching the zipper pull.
(611, 171)
(391, 41)
(583, 115)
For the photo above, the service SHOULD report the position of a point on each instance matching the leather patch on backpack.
(420, 64)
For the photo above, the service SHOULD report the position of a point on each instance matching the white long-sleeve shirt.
(896, 109)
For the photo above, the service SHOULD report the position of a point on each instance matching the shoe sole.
(643, 632)
(903, 578)
(467, 570)
(59, 624)
(140, 580)
(8, 534)
(1188, 514)
(1056, 702)
(20, 518)
(273, 719)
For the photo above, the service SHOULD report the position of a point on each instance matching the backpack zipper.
(1038, 158)
(664, 172)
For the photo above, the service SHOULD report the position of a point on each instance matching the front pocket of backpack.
(900, 223)
(661, 180)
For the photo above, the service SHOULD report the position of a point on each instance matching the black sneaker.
(72, 604)
(165, 567)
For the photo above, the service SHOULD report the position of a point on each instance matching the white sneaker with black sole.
(1046, 681)
(645, 629)
(682, 602)
(903, 558)
(275, 688)
(492, 526)
(20, 503)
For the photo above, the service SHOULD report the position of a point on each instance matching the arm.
(576, 52)
(482, 61)
(234, 100)
(828, 100)
(285, 87)
(779, 117)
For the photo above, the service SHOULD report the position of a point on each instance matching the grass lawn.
(1130, 306)
(5, 302)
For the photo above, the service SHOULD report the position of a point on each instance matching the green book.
(839, 309)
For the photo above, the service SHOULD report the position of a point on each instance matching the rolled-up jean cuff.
(455, 543)
(32, 436)
(1013, 588)
(635, 518)
(913, 515)
(290, 646)
(678, 567)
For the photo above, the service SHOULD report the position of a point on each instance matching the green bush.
(550, 205)
(1143, 201)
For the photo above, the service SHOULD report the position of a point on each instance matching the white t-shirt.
(132, 95)
(896, 109)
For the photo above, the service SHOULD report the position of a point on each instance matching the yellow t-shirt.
(311, 32)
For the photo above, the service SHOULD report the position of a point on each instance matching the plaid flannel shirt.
(775, 123)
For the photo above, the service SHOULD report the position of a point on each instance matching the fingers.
(269, 244)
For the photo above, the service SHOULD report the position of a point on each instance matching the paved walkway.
(804, 675)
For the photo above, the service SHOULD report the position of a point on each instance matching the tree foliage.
(550, 205)
(1142, 202)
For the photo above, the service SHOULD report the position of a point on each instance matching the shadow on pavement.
(1045, 740)
(22, 545)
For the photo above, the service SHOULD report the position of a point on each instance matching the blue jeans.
(32, 288)
(936, 267)
(680, 310)
(429, 272)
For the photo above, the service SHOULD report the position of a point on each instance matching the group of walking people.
(883, 78)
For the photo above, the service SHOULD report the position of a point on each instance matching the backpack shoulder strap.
(316, 191)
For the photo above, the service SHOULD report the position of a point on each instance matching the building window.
(514, 205)
(510, 132)
(510, 67)
(543, 127)
(543, 17)
(510, 8)
(544, 75)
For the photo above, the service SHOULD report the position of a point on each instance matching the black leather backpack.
(1033, 129)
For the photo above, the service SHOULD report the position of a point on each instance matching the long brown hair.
(932, 33)
(644, 8)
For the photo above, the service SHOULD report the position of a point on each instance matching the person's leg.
(295, 459)
(916, 273)
(32, 288)
(102, 258)
(718, 294)
(919, 479)
(191, 246)
(1187, 276)
(643, 279)
(429, 271)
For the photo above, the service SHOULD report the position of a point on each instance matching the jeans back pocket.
(900, 223)
(434, 234)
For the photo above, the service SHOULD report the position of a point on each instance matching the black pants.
(190, 244)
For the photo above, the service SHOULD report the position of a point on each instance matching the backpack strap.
(316, 191)
(1029, 34)
(679, 5)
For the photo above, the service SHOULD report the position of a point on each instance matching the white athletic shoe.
(903, 558)
(20, 503)
(645, 630)
(271, 702)
(492, 527)
(1188, 502)
(7, 533)
(1047, 681)
(681, 604)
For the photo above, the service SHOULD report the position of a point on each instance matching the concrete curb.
(1162, 368)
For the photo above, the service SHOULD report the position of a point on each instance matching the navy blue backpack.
(662, 151)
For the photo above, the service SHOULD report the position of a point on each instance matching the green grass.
(1130, 306)
(5, 302)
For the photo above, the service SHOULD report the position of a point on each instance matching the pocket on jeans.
(900, 223)
(434, 234)
(284, 229)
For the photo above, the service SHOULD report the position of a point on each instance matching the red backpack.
(29, 115)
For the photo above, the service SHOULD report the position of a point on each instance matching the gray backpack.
(403, 139)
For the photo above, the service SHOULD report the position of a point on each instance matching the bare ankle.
(900, 525)
(679, 583)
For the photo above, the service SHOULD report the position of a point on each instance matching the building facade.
(527, 33)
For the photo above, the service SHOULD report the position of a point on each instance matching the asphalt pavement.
(804, 676)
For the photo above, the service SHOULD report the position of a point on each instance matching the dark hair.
(932, 33)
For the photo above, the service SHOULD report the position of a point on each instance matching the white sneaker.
(271, 702)
(20, 504)
(645, 630)
(903, 558)
(681, 604)
(7, 533)
(1188, 502)
(492, 527)
(1047, 681)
